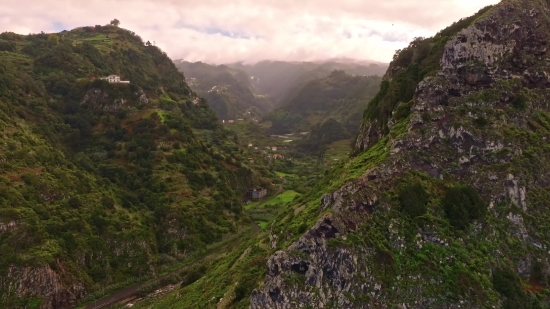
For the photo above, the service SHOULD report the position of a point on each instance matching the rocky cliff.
(446, 204)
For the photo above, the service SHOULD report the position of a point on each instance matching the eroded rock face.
(44, 282)
(511, 41)
(336, 265)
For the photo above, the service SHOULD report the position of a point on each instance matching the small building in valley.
(256, 193)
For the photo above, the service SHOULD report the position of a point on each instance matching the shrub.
(107, 202)
(74, 202)
(413, 200)
(508, 284)
(481, 122)
(520, 102)
(462, 205)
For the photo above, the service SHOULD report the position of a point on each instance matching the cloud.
(221, 31)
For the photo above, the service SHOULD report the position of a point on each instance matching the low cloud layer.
(217, 31)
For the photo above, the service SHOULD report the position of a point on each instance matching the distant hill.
(281, 80)
(339, 96)
(228, 91)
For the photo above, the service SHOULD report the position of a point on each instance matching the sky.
(225, 31)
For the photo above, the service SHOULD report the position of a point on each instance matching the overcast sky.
(222, 31)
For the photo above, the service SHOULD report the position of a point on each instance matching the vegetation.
(425, 234)
(411, 65)
(462, 205)
(339, 96)
(413, 200)
(107, 181)
(283, 80)
(230, 92)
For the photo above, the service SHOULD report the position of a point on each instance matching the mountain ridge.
(440, 207)
(98, 179)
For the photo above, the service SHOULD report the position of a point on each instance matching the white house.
(115, 79)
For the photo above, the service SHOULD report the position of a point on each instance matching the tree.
(462, 205)
(53, 38)
(115, 22)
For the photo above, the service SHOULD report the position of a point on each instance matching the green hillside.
(329, 108)
(230, 92)
(104, 183)
(339, 95)
(443, 205)
(281, 80)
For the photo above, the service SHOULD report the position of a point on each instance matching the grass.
(263, 224)
(338, 150)
(281, 174)
(250, 205)
(282, 198)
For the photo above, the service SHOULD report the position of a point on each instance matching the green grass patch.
(338, 150)
(282, 198)
(262, 224)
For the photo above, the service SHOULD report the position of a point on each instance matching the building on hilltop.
(256, 193)
(115, 79)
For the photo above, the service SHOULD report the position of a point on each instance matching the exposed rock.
(335, 263)
(45, 283)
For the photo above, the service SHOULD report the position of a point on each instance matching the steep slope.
(104, 184)
(282, 80)
(446, 203)
(229, 92)
(339, 96)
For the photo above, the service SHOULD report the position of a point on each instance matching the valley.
(132, 180)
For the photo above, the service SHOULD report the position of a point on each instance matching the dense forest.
(104, 182)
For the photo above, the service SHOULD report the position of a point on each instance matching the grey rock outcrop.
(336, 265)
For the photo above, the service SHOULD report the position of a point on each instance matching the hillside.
(445, 203)
(104, 184)
(281, 80)
(339, 95)
(229, 92)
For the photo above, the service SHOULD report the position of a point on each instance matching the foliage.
(322, 135)
(230, 92)
(410, 65)
(339, 96)
(115, 22)
(413, 199)
(88, 168)
(462, 205)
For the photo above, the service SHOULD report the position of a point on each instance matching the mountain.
(281, 80)
(339, 95)
(445, 203)
(103, 183)
(230, 92)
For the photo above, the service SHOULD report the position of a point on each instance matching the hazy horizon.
(221, 32)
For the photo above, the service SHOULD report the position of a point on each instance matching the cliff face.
(481, 121)
(58, 287)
